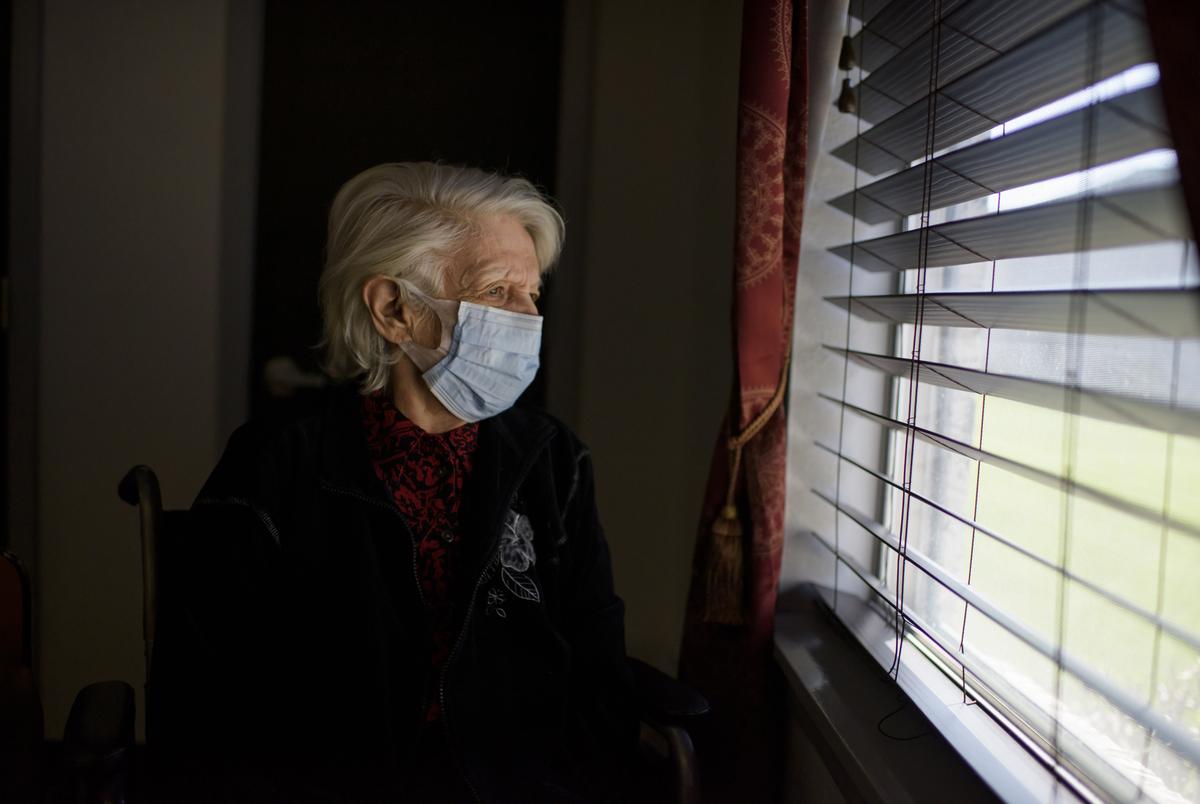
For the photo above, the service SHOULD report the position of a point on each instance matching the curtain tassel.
(725, 572)
(723, 598)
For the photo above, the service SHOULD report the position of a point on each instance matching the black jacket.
(308, 644)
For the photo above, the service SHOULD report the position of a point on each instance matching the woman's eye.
(496, 292)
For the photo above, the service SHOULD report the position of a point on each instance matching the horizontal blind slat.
(945, 643)
(1124, 126)
(1116, 219)
(1092, 403)
(1144, 312)
(868, 10)
(987, 64)
(1043, 69)
(894, 28)
(1167, 731)
(1013, 701)
(1048, 479)
(1179, 633)
(971, 35)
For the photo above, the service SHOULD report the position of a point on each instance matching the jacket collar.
(508, 444)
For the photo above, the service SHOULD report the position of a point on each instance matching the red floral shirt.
(425, 473)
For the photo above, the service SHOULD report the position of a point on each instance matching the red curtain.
(1174, 28)
(729, 659)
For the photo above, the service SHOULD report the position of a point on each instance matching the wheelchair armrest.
(140, 485)
(98, 739)
(663, 699)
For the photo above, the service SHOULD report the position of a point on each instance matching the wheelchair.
(666, 769)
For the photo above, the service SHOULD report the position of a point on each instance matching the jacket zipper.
(466, 619)
(462, 633)
(412, 542)
(445, 668)
(519, 478)
(391, 509)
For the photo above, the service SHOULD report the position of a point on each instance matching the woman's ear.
(392, 318)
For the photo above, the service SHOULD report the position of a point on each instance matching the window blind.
(1037, 533)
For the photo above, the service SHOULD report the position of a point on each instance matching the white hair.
(409, 220)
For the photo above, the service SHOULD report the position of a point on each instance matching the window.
(996, 440)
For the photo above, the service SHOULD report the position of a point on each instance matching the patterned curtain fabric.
(726, 651)
(1174, 28)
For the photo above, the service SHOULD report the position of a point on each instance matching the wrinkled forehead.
(501, 252)
(520, 274)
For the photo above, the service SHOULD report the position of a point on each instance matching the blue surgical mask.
(486, 358)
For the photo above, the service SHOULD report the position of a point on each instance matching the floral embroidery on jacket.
(516, 558)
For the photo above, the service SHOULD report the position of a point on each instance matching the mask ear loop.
(446, 311)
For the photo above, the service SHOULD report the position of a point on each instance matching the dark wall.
(347, 85)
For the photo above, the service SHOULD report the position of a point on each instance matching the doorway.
(349, 85)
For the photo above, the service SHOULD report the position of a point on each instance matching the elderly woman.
(410, 597)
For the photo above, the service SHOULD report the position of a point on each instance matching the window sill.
(906, 739)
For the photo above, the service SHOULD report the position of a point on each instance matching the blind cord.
(987, 357)
(918, 328)
(897, 737)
